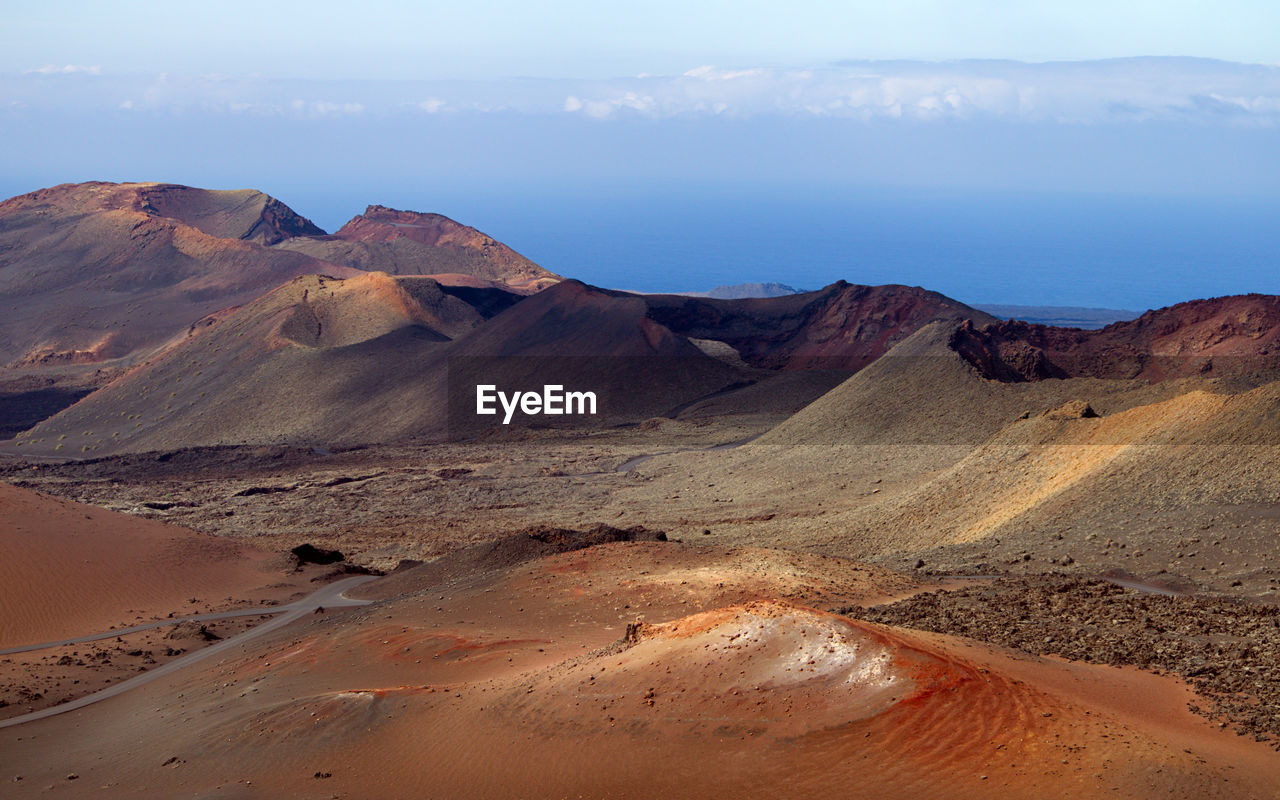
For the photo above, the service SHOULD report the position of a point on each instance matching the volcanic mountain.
(935, 461)
(368, 359)
(372, 359)
(842, 326)
(317, 359)
(96, 273)
(409, 243)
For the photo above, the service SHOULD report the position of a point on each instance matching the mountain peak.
(245, 214)
(416, 243)
(380, 223)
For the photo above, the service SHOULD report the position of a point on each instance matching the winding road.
(330, 596)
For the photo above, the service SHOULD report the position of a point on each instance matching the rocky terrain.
(1227, 649)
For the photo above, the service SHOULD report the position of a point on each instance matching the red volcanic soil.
(411, 243)
(842, 326)
(237, 214)
(1224, 336)
(69, 570)
(379, 223)
(639, 670)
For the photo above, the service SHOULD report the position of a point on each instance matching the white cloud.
(324, 107)
(1117, 91)
(608, 107)
(1083, 92)
(66, 69)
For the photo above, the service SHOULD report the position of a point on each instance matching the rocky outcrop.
(1232, 337)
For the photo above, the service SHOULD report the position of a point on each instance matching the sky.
(526, 120)
(486, 39)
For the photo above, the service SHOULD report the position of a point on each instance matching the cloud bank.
(1121, 90)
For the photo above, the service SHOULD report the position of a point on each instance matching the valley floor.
(1064, 609)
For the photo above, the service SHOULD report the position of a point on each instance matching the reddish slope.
(69, 570)
(410, 243)
(242, 214)
(842, 326)
(585, 339)
(536, 681)
(103, 272)
(1224, 336)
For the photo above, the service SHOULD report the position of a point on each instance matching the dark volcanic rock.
(842, 326)
(508, 551)
(310, 554)
(1231, 337)
(1228, 650)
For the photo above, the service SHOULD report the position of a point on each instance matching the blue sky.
(594, 39)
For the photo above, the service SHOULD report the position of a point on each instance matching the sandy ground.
(635, 669)
(1149, 513)
(36, 679)
(71, 569)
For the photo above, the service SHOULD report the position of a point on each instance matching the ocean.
(1113, 251)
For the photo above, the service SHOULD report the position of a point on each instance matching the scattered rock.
(1228, 649)
(256, 490)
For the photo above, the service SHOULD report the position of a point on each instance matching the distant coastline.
(1061, 316)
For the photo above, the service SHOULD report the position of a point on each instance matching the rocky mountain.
(94, 273)
(409, 243)
(842, 326)
(1221, 337)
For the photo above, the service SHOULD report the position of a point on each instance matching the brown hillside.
(97, 271)
(239, 214)
(640, 669)
(316, 360)
(410, 243)
(370, 359)
(919, 452)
